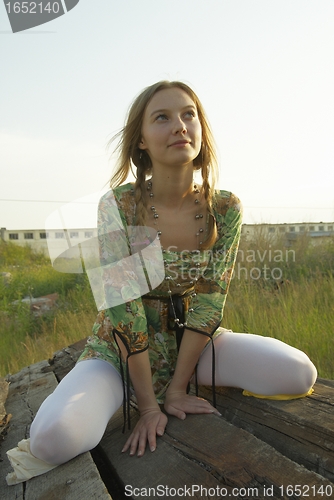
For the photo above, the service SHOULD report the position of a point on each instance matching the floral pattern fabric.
(145, 322)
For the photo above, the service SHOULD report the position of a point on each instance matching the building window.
(329, 228)
(59, 235)
(302, 229)
(312, 228)
(321, 228)
(28, 236)
(13, 236)
(43, 236)
(74, 234)
(292, 229)
(271, 229)
(88, 234)
(282, 229)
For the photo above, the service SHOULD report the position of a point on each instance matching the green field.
(286, 293)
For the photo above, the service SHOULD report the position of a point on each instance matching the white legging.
(73, 418)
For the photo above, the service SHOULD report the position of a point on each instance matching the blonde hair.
(130, 155)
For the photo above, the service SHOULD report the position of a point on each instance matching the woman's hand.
(152, 422)
(179, 403)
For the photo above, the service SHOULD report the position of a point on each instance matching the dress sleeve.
(205, 310)
(121, 280)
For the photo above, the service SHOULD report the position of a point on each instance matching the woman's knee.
(58, 441)
(51, 442)
(305, 374)
(262, 365)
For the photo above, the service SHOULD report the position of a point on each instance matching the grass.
(26, 339)
(300, 314)
(286, 293)
(296, 308)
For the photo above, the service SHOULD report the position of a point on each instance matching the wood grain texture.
(258, 446)
(209, 452)
(301, 429)
(79, 478)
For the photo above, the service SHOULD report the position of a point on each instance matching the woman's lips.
(179, 143)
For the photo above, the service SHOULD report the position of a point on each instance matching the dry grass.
(300, 314)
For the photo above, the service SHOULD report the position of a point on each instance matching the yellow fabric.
(279, 397)
(25, 465)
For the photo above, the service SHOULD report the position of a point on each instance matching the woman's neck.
(172, 190)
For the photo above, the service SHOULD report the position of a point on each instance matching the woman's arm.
(207, 306)
(152, 421)
(178, 402)
(127, 314)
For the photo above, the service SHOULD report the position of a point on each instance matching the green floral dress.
(146, 322)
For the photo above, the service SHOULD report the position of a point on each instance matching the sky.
(263, 69)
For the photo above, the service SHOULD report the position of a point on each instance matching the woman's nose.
(179, 125)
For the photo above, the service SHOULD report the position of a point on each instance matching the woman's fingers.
(147, 428)
(127, 444)
(141, 444)
(181, 404)
(157, 429)
(176, 412)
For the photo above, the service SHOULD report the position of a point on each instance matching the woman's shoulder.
(124, 190)
(118, 204)
(117, 194)
(224, 200)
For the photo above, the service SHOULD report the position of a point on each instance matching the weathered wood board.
(79, 479)
(301, 429)
(257, 449)
(212, 458)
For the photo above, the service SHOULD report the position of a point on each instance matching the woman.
(172, 331)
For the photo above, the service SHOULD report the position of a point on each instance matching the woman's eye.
(161, 117)
(190, 113)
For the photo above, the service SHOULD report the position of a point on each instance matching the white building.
(37, 239)
(316, 231)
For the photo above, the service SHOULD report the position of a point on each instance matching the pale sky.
(263, 69)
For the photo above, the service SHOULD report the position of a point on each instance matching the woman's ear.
(141, 144)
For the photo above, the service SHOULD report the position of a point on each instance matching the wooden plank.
(63, 361)
(238, 457)
(301, 429)
(3, 397)
(325, 381)
(78, 479)
(17, 404)
(27, 390)
(160, 470)
(307, 441)
(204, 452)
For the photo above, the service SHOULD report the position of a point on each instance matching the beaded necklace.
(198, 216)
(200, 234)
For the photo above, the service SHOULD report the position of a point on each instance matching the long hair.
(130, 155)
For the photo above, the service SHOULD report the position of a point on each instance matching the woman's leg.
(261, 365)
(73, 418)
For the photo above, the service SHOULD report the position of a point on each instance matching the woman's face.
(171, 130)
